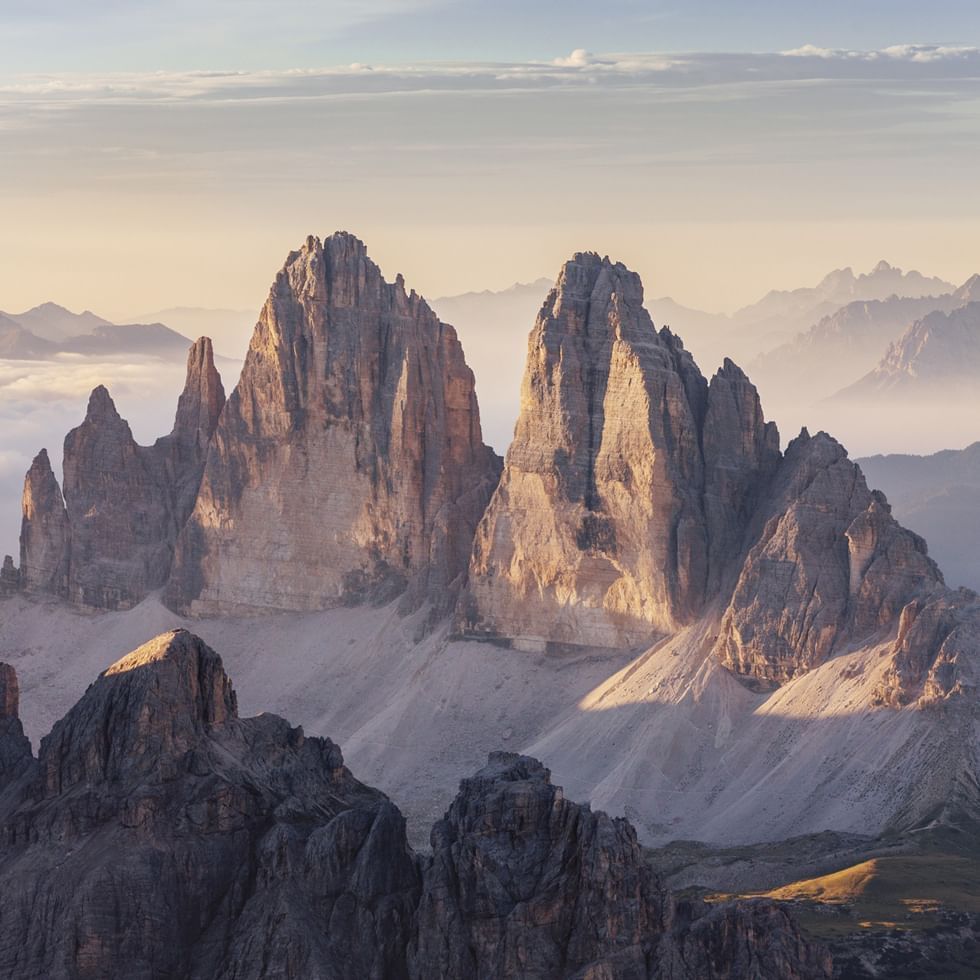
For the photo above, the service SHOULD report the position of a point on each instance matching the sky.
(155, 154)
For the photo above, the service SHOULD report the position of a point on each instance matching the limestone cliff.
(120, 525)
(109, 539)
(629, 482)
(828, 564)
(44, 531)
(158, 834)
(348, 463)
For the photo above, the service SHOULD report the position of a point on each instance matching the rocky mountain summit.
(628, 482)
(157, 833)
(637, 498)
(348, 463)
(108, 539)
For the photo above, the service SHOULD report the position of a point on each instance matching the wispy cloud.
(921, 54)
(580, 68)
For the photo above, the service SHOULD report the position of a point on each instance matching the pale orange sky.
(716, 176)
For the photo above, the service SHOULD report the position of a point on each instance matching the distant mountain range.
(782, 313)
(47, 330)
(802, 345)
(847, 344)
(937, 356)
(229, 330)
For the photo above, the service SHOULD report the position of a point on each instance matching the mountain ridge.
(153, 792)
(645, 522)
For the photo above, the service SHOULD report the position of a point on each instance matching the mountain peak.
(969, 292)
(101, 407)
(156, 701)
(49, 307)
(203, 397)
(354, 378)
(602, 389)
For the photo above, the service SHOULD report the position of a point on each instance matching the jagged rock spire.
(109, 540)
(44, 534)
(9, 576)
(202, 399)
(629, 481)
(827, 562)
(348, 463)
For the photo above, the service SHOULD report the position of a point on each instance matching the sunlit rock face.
(636, 498)
(934, 655)
(828, 564)
(629, 482)
(109, 540)
(159, 834)
(44, 531)
(348, 464)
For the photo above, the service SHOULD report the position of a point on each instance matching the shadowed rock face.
(523, 882)
(9, 576)
(158, 834)
(15, 748)
(629, 482)
(120, 525)
(109, 541)
(349, 463)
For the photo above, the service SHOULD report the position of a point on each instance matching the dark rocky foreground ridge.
(158, 834)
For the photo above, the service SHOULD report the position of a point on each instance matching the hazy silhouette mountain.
(18, 343)
(49, 321)
(938, 355)
(229, 330)
(842, 347)
(782, 313)
(153, 339)
(50, 329)
(937, 496)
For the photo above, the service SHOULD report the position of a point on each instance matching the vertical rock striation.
(109, 539)
(44, 533)
(629, 482)
(121, 527)
(348, 464)
(198, 409)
